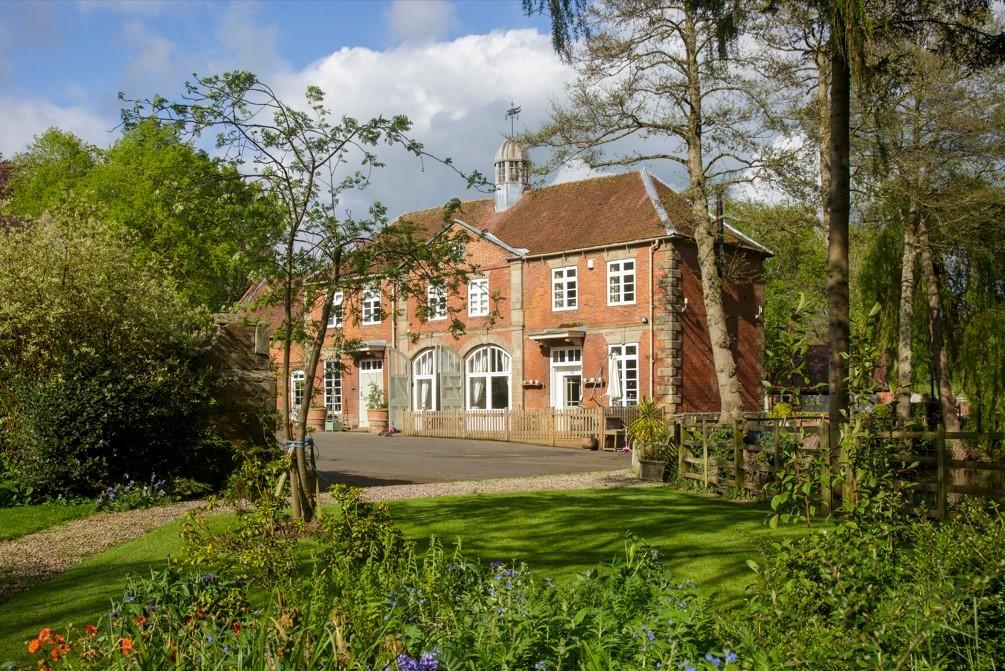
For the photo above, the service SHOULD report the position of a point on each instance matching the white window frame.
(490, 355)
(297, 383)
(423, 370)
(371, 311)
(333, 386)
(620, 355)
(478, 297)
(616, 276)
(436, 302)
(335, 319)
(562, 279)
(564, 361)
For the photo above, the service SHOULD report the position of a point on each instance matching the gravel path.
(38, 557)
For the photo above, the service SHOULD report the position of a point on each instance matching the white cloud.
(419, 20)
(456, 94)
(155, 57)
(26, 118)
(248, 42)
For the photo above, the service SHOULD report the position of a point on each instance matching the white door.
(566, 377)
(371, 372)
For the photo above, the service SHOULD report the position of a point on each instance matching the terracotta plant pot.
(650, 469)
(377, 419)
(588, 443)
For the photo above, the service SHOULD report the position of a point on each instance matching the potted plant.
(316, 415)
(651, 443)
(376, 409)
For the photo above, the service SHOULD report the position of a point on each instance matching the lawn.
(24, 520)
(704, 539)
(558, 533)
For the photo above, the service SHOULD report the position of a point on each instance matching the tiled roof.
(593, 212)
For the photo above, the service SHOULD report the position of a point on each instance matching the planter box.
(377, 420)
(652, 470)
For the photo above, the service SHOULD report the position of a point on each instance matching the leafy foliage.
(190, 213)
(99, 362)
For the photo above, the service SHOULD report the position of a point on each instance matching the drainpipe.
(652, 322)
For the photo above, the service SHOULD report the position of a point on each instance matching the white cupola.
(512, 170)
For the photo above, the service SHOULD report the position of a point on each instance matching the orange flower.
(140, 619)
(45, 634)
(126, 645)
(236, 627)
(91, 630)
(34, 645)
(54, 654)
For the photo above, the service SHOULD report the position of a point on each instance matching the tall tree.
(186, 208)
(306, 161)
(654, 72)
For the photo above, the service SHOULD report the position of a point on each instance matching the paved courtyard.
(367, 460)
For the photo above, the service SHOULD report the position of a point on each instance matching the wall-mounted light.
(589, 264)
(683, 308)
(645, 320)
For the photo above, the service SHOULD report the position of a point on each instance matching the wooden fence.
(748, 454)
(544, 427)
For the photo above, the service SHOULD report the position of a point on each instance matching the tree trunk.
(940, 356)
(823, 100)
(905, 372)
(730, 399)
(837, 240)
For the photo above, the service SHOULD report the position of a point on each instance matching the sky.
(451, 67)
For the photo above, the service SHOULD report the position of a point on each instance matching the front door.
(371, 372)
(566, 377)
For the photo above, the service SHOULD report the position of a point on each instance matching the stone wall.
(246, 401)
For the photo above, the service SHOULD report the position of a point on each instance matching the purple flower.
(730, 656)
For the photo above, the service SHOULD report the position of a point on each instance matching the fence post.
(738, 455)
(551, 427)
(704, 449)
(678, 432)
(940, 493)
(826, 492)
(507, 418)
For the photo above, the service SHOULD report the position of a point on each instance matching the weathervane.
(512, 113)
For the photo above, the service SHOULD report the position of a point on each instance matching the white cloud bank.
(23, 119)
(419, 20)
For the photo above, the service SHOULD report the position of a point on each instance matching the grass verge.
(24, 520)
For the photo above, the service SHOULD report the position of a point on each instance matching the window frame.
(370, 315)
(491, 352)
(298, 383)
(332, 366)
(620, 274)
(560, 277)
(426, 358)
(478, 296)
(618, 357)
(336, 318)
(436, 302)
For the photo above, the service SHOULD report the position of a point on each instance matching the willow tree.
(307, 161)
(658, 81)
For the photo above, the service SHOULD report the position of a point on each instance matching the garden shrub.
(99, 362)
(133, 495)
(885, 591)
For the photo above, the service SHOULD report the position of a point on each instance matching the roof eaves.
(661, 212)
(493, 238)
(746, 238)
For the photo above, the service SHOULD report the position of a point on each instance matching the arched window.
(488, 372)
(424, 383)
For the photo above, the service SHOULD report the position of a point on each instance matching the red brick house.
(587, 293)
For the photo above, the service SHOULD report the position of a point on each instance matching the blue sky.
(452, 67)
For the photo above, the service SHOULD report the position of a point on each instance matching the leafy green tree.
(99, 361)
(306, 160)
(187, 209)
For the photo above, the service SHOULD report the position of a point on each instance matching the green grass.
(560, 534)
(24, 520)
(556, 533)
